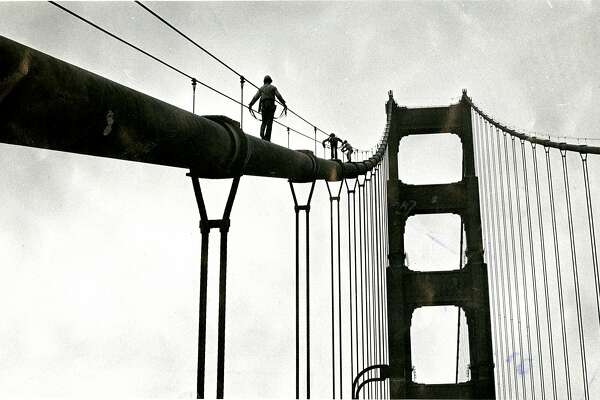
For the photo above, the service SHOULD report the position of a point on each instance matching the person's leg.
(269, 128)
(263, 126)
(268, 116)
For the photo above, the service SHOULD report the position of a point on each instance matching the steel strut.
(297, 209)
(205, 226)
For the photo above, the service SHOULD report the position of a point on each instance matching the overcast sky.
(100, 257)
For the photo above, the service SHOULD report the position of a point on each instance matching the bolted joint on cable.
(194, 83)
(242, 80)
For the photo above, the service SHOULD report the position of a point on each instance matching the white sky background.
(100, 263)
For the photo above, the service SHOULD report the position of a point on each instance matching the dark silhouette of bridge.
(508, 204)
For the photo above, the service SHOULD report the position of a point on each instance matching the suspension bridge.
(526, 282)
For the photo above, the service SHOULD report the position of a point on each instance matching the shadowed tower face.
(466, 288)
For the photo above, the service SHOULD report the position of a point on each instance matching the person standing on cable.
(333, 144)
(267, 94)
(347, 148)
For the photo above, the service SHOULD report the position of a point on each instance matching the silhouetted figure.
(267, 94)
(333, 144)
(347, 148)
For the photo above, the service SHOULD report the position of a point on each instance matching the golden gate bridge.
(528, 264)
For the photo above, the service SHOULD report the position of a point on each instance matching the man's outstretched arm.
(254, 99)
(280, 98)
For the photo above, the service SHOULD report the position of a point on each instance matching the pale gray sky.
(100, 257)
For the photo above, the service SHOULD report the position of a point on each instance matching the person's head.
(331, 135)
(267, 79)
(345, 142)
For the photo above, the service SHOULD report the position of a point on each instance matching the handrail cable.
(166, 64)
(217, 58)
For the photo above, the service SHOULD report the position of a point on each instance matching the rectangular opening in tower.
(434, 332)
(432, 242)
(430, 159)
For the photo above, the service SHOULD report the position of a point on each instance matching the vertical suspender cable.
(534, 278)
(523, 272)
(367, 290)
(380, 270)
(340, 291)
(486, 191)
(361, 192)
(368, 280)
(205, 231)
(504, 257)
(355, 276)
(297, 213)
(375, 223)
(297, 209)
(558, 274)
(563, 154)
(544, 269)
(351, 250)
(590, 214)
(224, 229)
(373, 268)
(332, 295)
(308, 303)
(372, 271)
(515, 273)
(336, 198)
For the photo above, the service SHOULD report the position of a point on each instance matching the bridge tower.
(466, 288)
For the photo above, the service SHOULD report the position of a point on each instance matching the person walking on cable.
(267, 94)
(347, 148)
(333, 145)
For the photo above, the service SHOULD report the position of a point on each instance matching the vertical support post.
(242, 80)
(194, 82)
(335, 197)
(297, 209)
(315, 129)
(205, 226)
